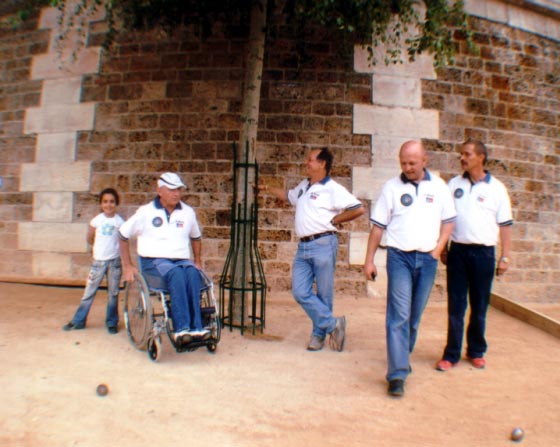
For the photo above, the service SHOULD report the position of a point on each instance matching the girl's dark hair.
(111, 191)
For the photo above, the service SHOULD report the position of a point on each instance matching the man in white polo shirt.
(483, 216)
(166, 229)
(416, 211)
(322, 205)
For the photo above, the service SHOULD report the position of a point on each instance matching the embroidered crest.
(180, 224)
(458, 193)
(406, 199)
(157, 221)
(429, 198)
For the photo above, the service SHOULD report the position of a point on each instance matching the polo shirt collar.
(405, 179)
(159, 206)
(322, 181)
(486, 178)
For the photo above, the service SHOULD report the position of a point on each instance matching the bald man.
(417, 212)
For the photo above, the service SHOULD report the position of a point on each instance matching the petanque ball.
(102, 389)
(517, 434)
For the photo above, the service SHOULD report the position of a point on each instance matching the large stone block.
(396, 122)
(61, 91)
(527, 20)
(368, 182)
(56, 147)
(357, 248)
(52, 237)
(385, 150)
(52, 207)
(378, 288)
(56, 119)
(423, 67)
(492, 9)
(52, 265)
(396, 91)
(55, 176)
(50, 16)
(53, 66)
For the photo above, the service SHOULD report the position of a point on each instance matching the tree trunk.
(247, 143)
(253, 78)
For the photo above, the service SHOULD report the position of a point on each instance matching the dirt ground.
(266, 390)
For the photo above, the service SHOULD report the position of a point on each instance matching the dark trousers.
(470, 271)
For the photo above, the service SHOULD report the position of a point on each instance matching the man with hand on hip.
(322, 205)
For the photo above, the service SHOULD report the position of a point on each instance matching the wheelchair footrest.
(205, 311)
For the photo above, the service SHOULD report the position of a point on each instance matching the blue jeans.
(184, 283)
(98, 270)
(410, 279)
(470, 269)
(315, 262)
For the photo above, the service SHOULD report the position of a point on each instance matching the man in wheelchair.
(166, 230)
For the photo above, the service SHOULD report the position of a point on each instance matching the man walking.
(483, 215)
(416, 210)
(322, 205)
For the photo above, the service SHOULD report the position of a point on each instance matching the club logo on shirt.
(313, 196)
(406, 199)
(429, 198)
(300, 193)
(458, 193)
(180, 224)
(157, 221)
(481, 199)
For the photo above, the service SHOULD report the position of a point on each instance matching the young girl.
(103, 235)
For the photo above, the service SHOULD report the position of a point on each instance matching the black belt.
(471, 245)
(316, 236)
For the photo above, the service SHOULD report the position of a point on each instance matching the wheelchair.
(147, 314)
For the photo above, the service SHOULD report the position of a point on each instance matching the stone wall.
(159, 103)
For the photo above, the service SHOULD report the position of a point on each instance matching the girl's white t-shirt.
(106, 244)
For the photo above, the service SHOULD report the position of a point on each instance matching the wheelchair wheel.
(217, 329)
(138, 313)
(154, 348)
(212, 347)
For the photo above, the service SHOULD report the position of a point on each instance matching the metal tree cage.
(242, 280)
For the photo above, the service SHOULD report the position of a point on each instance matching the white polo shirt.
(412, 213)
(482, 208)
(162, 235)
(317, 204)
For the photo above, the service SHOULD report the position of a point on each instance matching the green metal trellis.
(242, 281)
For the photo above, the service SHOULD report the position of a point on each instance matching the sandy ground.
(266, 390)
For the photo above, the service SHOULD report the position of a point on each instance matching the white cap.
(170, 180)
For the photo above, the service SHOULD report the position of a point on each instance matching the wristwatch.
(504, 259)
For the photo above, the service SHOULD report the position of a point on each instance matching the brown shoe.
(316, 343)
(338, 335)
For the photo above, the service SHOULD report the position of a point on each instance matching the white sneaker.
(182, 336)
(202, 333)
